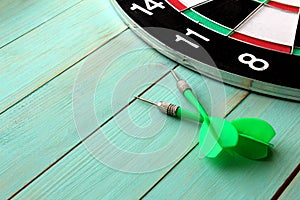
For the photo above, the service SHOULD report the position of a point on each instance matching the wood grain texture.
(233, 177)
(67, 86)
(41, 128)
(49, 50)
(293, 191)
(139, 128)
(19, 17)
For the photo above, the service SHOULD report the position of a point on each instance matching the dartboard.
(254, 44)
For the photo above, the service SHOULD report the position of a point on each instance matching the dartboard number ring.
(251, 60)
(150, 5)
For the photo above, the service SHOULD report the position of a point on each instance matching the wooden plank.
(82, 175)
(233, 177)
(49, 50)
(287, 183)
(292, 192)
(40, 129)
(19, 17)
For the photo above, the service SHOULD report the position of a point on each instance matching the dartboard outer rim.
(206, 70)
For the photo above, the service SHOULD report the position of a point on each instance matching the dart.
(254, 134)
(215, 133)
(218, 131)
(249, 137)
(254, 137)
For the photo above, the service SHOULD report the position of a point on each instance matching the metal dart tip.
(164, 107)
(175, 75)
(147, 101)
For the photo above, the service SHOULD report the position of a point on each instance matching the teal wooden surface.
(68, 76)
(19, 17)
(292, 192)
(238, 178)
(45, 120)
(47, 51)
(73, 176)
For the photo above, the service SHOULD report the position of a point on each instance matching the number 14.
(150, 4)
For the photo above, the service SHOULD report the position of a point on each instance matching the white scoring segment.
(273, 25)
(289, 2)
(191, 3)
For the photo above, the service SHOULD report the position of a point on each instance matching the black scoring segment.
(228, 13)
(297, 39)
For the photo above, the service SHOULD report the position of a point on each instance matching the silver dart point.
(175, 75)
(147, 101)
(181, 84)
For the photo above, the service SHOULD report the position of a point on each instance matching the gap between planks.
(21, 86)
(103, 124)
(42, 23)
(88, 136)
(287, 179)
(278, 193)
(286, 183)
(54, 163)
(62, 71)
(193, 147)
(52, 87)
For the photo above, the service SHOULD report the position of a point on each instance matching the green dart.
(215, 133)
(248, 137)
(254, 137)
(254, 134)
(212, 147)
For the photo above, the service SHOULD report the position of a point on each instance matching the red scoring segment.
(177, 4)
(262, 43)
(284, 6)
(248, 39)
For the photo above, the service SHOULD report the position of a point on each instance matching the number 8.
(253, 60)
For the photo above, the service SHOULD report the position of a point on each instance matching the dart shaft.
(174, 110)
(185, 114)
(194, 101)
(186, 90)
